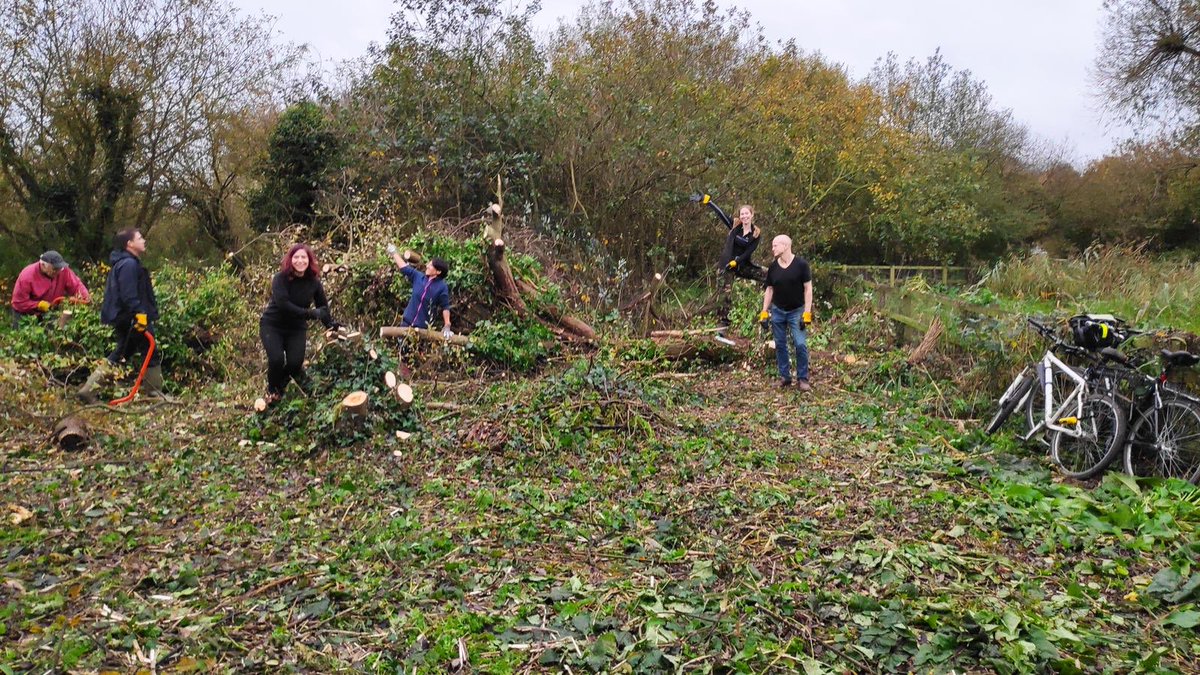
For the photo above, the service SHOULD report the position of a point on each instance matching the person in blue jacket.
(430, 296)
(131, 309)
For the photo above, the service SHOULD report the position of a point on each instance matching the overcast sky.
(1034, 55)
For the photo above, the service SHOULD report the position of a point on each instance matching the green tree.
(302, 151)
(453, 100)
(951, 109)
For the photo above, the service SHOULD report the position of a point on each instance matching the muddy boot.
(100, 374)
(152, 383)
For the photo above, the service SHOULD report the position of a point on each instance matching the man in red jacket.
(46, 283)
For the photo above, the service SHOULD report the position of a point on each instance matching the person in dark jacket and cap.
(131, 309)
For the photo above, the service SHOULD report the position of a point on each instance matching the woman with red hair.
(296, 297)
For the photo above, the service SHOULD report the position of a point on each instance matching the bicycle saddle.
(1183, 359)
(1111, 354)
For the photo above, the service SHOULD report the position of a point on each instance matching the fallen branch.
(704, 349)
(423, 334)
(683, 333)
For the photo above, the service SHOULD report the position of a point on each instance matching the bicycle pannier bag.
(1097, 331)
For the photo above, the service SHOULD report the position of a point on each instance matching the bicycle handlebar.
(1048, 333)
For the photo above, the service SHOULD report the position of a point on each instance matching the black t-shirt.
(788, 283)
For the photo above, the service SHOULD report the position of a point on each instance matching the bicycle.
(1088, 426)
(1164, 437)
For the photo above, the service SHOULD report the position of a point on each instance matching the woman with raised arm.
(737, 255)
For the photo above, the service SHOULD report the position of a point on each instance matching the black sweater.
(291, 300)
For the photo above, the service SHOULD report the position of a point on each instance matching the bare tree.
(106, 105)
(950, 108)
(1148, 67)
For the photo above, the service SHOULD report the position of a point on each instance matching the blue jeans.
(785, 323)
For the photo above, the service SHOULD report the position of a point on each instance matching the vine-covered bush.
(203, 329)
(512, 342)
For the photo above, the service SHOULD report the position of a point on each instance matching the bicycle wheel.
(1010, 400)
(1165, 443)
(1103, 426)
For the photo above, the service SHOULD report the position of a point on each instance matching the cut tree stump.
(389, 378)
(71, 433)
(260, 404)
(355, 405)
(422, 334)
(64, 318)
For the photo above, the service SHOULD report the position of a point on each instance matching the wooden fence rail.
(899, 271)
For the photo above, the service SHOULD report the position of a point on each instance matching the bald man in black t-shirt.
(787, 301)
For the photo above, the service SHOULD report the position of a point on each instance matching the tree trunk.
(503, 282)
(567, 322)
(703, 349)
(683, 333)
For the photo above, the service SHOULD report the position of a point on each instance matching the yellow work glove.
(43, 306)
(807, 317)
(763, 315)
(140, 323)
(732, 265)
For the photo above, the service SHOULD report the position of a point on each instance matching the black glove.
(320, 314)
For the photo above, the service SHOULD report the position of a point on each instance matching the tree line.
(187, 114)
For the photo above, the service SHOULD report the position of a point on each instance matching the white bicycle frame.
(1052, 415)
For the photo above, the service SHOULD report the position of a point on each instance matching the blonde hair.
(738, 218)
